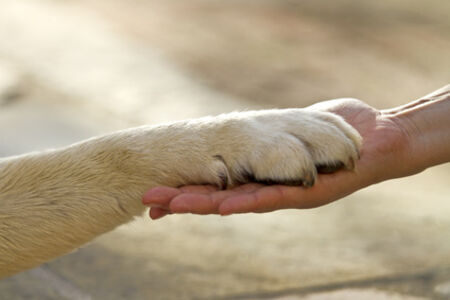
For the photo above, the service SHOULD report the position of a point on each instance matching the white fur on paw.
(285, 146)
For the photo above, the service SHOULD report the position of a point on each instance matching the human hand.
(382, 157)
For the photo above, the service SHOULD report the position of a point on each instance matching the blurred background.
(73, 69)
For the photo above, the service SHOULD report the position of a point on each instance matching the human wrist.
(425, 124)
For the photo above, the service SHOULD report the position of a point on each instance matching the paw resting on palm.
(288, 146)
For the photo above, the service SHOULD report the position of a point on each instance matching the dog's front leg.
(55, 201)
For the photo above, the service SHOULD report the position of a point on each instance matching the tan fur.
(55, 201)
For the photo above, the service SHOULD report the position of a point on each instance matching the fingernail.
(147, 198)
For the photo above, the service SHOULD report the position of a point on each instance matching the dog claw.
(309, 179)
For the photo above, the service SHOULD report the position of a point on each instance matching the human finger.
(160, 196)
(204, 202)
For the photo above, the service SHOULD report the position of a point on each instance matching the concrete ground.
(70, 70)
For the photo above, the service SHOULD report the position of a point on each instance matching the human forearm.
(426, 123)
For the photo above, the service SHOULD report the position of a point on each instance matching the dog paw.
(289, 146)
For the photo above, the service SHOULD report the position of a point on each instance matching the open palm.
(383, 140)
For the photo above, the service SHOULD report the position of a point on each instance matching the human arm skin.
(396, 143)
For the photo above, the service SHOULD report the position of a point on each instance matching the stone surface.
(443, 289)
(84, 57)
(351, 294)
(11, 83)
